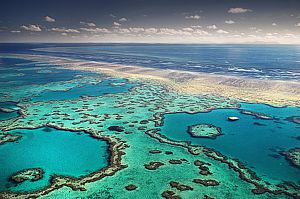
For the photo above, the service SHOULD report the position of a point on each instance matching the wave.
(244, 70)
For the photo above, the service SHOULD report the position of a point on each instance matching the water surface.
(105, 87)
(55, 151)
(258, 61)
(255, 142)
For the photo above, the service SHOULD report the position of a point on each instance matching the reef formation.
(204, 131)
(293, 156)
(142, 161)
(33, 174)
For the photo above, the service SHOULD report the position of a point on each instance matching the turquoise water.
(9, 105)
(8, 115)
(15, 73)
(56, 151)
(256, 145)
(101, 88)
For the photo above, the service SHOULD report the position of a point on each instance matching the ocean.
(280, 62)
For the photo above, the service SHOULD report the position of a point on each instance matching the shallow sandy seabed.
(140, 111)
(272, 92)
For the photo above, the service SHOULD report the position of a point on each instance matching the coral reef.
(204, 131)
(32, 174)
(293, 156)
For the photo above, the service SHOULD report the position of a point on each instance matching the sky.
(151, 21)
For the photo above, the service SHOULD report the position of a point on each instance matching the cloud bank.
(32, 27)
(239, 10)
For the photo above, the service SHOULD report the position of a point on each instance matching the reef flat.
(204, 131)
(4, 137)
(33, 174)
(8, 110)
(131, 123)
(293, 155)
(272, 92)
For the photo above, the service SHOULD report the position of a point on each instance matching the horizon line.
(166, 43)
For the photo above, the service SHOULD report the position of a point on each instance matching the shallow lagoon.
(99, 89)
(55, 151)
(13, 110)
(7, 116)
(254, 141)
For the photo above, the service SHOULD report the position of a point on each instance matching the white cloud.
(32, 27)
(165, 32)
(201, 32)
(237, 35)
(290, 35)
(15, 31)
(123, 30)
(151, 30)
(222, 31)
(269, 34)
(116, 24)
(193, 17)
(49, 19)
(213, 27)
(238, 10)
(88, 24)
(298, 24)
(196, 26)
(188, 29)
(96, 30)
(69, 30)
(137, 30)
(123, 19)
(297, 16)
(186, 34)
(112, 15)
(274, 24)
(229, 22)
(257, 30)
(173, 32)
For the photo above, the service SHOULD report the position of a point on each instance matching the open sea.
(258, 61)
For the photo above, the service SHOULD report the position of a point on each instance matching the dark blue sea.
(280, 62)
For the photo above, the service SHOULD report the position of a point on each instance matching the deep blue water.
(20, 72)
(256, 145)
(259, 61)
(55, 151)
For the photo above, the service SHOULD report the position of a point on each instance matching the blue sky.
(164, 21)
